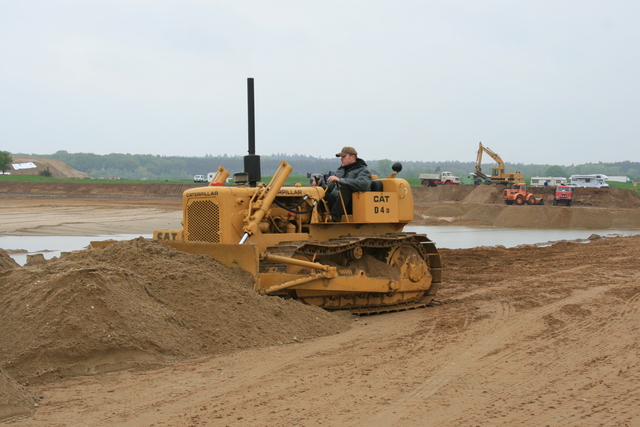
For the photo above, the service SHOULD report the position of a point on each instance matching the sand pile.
(6, 262)
(138, 304)
(449, 203)
(468, 194)
(485, 194)
(430, 195)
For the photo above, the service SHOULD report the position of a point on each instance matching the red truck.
(563, 195)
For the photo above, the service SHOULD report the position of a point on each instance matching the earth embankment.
(492, 194)
(87, 188)
(482, 206)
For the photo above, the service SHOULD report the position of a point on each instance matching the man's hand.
(333, 178)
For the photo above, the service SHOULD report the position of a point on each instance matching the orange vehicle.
(563, 195)
(519, 195)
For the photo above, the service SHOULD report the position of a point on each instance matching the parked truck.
(519, 195)
(435, 179)
(563, 195)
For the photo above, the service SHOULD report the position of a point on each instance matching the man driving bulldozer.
(351, 176)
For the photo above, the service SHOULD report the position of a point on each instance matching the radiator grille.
(203, 222)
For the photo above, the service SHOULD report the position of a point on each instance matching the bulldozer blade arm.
(356, 283)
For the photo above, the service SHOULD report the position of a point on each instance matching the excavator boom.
(498, 174)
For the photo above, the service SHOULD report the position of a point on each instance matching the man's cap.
(347, 150)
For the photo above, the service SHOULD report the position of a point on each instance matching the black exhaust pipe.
(252, 161)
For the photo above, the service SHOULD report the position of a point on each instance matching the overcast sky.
(550, 82)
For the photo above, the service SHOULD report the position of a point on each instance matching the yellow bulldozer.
(365, 263)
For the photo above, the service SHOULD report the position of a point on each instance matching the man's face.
(348, 159)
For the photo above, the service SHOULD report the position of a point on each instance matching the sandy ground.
(78, 217)
(520, 336)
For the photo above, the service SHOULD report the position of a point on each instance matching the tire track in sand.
(498, 341)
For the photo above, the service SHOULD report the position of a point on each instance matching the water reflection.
(51, 246)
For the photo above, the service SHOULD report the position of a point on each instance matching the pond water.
(451, 237)
(51, 246)
(455, 237)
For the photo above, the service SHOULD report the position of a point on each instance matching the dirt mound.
(458, 193)
(57, 168)
(455, 193)
(136, 305)
(485, 194)
(6, 262)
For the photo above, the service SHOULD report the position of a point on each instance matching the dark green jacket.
(355, 176)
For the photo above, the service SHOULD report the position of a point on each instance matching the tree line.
(172, 168)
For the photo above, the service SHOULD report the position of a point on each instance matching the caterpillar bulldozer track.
(365, 263)
(391, 270)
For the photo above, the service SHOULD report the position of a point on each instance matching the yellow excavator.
(280, 234)
(498, 175)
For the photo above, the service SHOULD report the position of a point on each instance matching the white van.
(547, 181)
(596, 180)
(199, 178)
